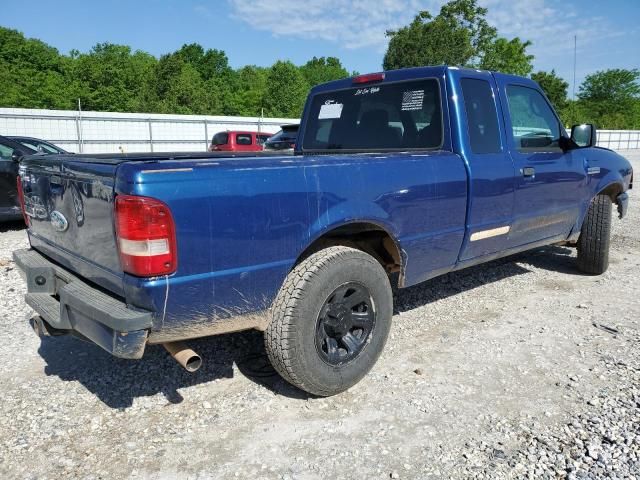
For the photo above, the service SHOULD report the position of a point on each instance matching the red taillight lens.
(368, 78)
(146, 236)
(21, 200)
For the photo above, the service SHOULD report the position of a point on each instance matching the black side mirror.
(584, 135)
(17, 155)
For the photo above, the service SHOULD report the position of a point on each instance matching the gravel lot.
(518, 368)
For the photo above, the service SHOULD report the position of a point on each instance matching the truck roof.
(416, 73)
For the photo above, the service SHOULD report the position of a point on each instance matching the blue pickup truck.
(397, 177)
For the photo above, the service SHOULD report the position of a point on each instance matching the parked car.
(236, 141)
(414, 172)
(10, 154)
(38, 145)
(285, 139)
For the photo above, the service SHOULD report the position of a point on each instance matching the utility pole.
(575, 56)
(79, 127)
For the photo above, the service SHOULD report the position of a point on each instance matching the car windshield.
(393, 116)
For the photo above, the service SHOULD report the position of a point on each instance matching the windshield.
(393, 116)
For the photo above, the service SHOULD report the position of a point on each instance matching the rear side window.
(243, 139)
(482, 116)
(393, 116)
(220, 138)
(535, 126)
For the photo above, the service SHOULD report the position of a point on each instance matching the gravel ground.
(521, 368)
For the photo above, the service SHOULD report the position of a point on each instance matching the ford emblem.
(58, 221)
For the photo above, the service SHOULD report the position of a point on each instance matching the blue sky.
(262, 31)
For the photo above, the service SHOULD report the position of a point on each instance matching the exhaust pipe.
(182, 354)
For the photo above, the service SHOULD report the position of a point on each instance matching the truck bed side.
(242, 224)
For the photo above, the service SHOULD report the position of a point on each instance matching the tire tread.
(595, 237)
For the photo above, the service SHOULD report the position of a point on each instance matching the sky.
(259, 32)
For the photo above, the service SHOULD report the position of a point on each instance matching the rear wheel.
(330, 320)
(595, 237)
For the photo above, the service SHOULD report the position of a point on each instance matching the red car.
(237, 141)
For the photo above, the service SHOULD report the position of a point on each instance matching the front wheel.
(330, 320)
(595, 237)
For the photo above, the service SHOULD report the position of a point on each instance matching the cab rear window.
(378, 117)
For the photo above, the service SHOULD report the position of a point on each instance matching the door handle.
(528, 172)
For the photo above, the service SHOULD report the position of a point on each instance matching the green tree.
(322, 70)
(508, 56)
(112, 78)
(611, 97)
(616, 85)
(249, 91)
(458, 35)
(286, 91)
(177, 87)
(32, 74)
(555, 88)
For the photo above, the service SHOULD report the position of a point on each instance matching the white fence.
(619, 139)
(108, 132)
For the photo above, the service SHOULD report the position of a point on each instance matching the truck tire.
(330, 320)
(595, 237)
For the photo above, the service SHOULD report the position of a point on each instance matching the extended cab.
(397, 177)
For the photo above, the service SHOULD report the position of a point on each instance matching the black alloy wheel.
(345, 323)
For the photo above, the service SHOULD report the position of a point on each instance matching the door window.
(243, 139)
(535, 126)
(482, 117)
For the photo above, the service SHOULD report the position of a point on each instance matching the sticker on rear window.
(412, 100)
(366, 91)
(330, 110)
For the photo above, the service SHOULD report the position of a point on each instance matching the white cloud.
(352, 23)
(356, 24)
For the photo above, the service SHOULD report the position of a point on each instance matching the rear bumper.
(66, 304)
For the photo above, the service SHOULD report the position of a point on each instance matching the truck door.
(480, 138)
(549, 181)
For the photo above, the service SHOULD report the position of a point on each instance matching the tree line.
(193, 80)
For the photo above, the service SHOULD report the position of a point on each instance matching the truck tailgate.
(69, 202)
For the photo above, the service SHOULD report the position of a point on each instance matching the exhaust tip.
(193, 363)
(181, 353)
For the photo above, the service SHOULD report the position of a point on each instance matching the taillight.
(21, 200)
(146, 236)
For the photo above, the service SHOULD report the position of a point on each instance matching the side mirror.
(584, 136)
(17, 155)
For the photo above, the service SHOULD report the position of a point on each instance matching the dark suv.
(285, 139)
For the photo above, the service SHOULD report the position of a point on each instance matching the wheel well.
(368, 237)
(612, 191)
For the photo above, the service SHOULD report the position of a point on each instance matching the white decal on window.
(412, 100)
(330, 110)
(366, 91)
